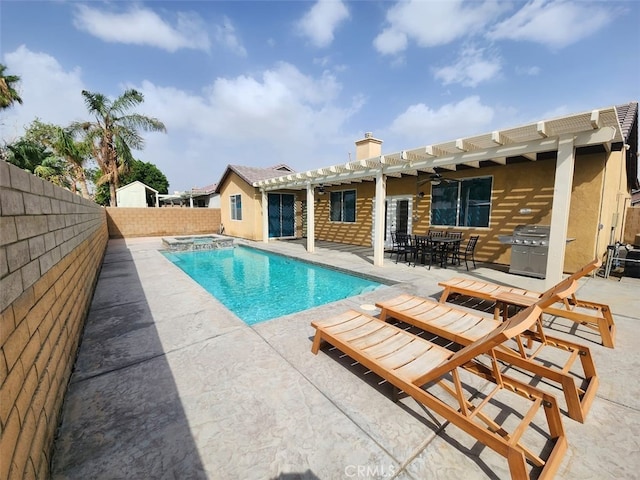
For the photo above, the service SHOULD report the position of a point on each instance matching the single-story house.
(573, 173)
(242, 214)
(205, 197)
(136, 194)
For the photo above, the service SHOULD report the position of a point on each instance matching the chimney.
(368, 147)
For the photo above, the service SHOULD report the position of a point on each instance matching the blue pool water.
(259, 286)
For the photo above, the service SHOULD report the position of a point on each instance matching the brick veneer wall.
(151, 222)
(51, 246)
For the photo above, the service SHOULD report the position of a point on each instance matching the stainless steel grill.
(529, 250)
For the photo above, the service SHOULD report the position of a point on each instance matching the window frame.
(343, 204)
(459, 209)
(235, 210)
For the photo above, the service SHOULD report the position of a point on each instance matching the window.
(343, 206)
(462, 204)
(236, 207)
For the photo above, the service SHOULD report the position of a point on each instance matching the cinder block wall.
(52, 243)
(153, 222)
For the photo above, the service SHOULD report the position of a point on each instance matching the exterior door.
(402, 216)
(282, 219)
(397, 217)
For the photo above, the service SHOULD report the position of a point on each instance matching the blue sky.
(298, 82)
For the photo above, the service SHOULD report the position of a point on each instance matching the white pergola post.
(265, 217)
(311, 219)
(560, 209)
(378, 219)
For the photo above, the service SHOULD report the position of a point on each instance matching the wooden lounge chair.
(415, 366)
(595, 316)
(464, 327)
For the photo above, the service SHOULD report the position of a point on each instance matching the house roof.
(134, 183)
(254, 174)
(627, 114)
(207, 190)
(628, 118)
(603, 126)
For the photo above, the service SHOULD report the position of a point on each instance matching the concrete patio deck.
(170, 384)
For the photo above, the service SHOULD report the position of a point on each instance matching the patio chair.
(424, 250)
(405, 247)
(453, 249)
(468, 252)
(394, 245)
(430, 374)
(592, 315)
(464, 327)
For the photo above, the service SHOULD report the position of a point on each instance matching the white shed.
(136, 194)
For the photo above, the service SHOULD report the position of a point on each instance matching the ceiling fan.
(437, 179)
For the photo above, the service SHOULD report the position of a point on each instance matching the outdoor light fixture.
(321, 189)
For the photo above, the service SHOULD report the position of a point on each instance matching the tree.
(114, 133)
(54, 170)
(8, 92)
(36, 158)
(144, 172)
(63, 145)
(148, 174)
(27, 154)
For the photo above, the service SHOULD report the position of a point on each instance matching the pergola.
(562, 135)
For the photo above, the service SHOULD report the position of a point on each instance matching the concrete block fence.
(52, 243)
(152, 222)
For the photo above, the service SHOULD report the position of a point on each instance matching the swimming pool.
(259, 286)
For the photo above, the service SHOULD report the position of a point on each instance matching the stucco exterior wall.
(632, 226)
(616, 200)
(599, 197)
(358, 233)
(251, 224)
(526, 185)
(51, 248)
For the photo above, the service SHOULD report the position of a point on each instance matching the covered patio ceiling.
(597, 127)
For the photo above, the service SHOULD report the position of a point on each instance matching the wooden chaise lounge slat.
(412, 364)
(596, 316)
(464, 327)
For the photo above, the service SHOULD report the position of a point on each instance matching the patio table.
(442, 243)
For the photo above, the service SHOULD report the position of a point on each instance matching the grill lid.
(527, 235)
(535, 231)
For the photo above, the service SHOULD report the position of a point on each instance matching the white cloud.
(48, 92)
(555, 23)
(420, 124)
(279, 116)
(320, 22)
(470, 69)
(283, 116)
(140, 26)
(226, 35)
(529, 71)
(430, 23)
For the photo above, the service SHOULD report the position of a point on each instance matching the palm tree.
(56, 171)
(8, 93)
(114, 133)
(27, 154)
(61, 142)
